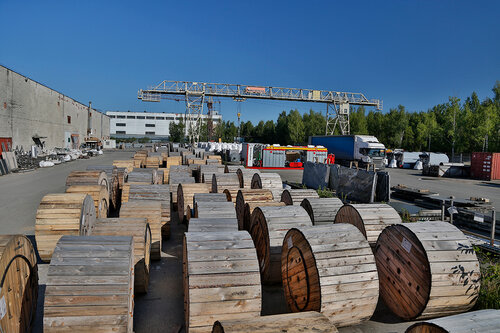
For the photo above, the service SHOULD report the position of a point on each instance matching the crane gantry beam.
(337, 102)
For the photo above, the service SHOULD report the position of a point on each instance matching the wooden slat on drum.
(330, 269)
(268, 227)
(208, 171)
(245, 196)
(128, 164)
(427, 269)
(295, 196)
(322, 210)
(309, 321)
(62, 214)
(484, 321)
(99, 194)
(150, 210)
(89, 285)
(370, 219)
(249, 208)
(223, 181)
(112, 173)
(221, 278)
(139, 229)
(95, 177)
(18, 283)
(185, 194)
(212, 224)
(245, 176)
(269, 181)
(143, 176)
(219, 209)
(231, 168)
(208, 197)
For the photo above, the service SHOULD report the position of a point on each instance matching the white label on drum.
(290, 243)
(3, 307)
(406, 245)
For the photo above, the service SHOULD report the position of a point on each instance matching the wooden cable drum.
(173, 160)
(484, 321)
(185, 194)
(248, 195)
(18, 283)
(207, 176)
(196, 161)
(112, 173)
(250, 207)
(166, 172)
(95, 177)
(214, 157)
(143, 176)
(231, 168)
(310, 321)
(221, 278)
(370, 219)
(151, 211)
(99, 195)
(427, 269)
(322, 210)
(175, 180)
(153, 161)
(177, 168)
(139, 229)
(208, 197)
(269, 181)
(122, 176)
(222, 181)
(216, 209)
(186, 157)
(245, 176)
(231, 194)
(128, 164)
(267, 228)
(330, 269)
(62, 214)
(212, 225)
(90, 284)
(159, 178)
(213, 162)
(295, 196)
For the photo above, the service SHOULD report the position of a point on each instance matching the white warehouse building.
(125, 124)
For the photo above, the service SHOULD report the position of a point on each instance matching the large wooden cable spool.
(128, 164)
(295, 196)
(427, 269)
(173, 160)
(208, 197)
(222, 181)
(165, 172)
(221, 278)
(175, 180)
(112, 173)
(212, 224)
(18, 283)
(90, 284)
(208, 171)
(93, 177)
(231, 168)
(143, 176)
(185, 194)
(484, 321)
(99, 194)
(218, 209)
(151, 211)
(370, 219)
(62, 214)
(245, 176)
(250, 207)
(153, 161)
(331, 269)
(139, 229)
(245, 196)
(269, 181)
(310, 321)
(322, 210)
(268, 227)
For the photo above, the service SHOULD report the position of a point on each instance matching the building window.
(160, 118)
(69, 119)
(120, 117)
(121, 132)
(170, 118)
(150, 133)
(140, 117)
(150, 125)
(150, 117)
(130, 117)
(121, 124)
(112, 116)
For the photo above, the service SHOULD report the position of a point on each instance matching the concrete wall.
(28, 108)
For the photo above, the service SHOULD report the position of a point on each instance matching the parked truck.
(364, 149)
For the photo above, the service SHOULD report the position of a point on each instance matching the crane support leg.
(337, 114)
(194, 110)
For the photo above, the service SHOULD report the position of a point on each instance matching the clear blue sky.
(415, 53)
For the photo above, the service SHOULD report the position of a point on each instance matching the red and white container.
(485, 166)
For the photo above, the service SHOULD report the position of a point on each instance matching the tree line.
(454, 126)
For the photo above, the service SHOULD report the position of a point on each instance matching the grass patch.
(489, 294)
(325, 193)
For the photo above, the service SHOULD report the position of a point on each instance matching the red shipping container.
(485, 166)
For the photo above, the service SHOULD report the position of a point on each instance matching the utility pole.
(429, 148)
(453, 142)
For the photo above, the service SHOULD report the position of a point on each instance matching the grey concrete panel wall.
(28, 108)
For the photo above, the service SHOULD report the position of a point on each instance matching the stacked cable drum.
(90, 283)
(98, 193)
(226, 181)
(219, 209)
(268, 227)
(112, 174)
(310, 321)
(427, 269)
(250, 207)
(245, 177)
(128, 164)
(62, 214)
(205, 173)
(176, 178)
(185, 194)
(269, 181)
(370, 219)
(151, 211)
(142, 176)
(18, 283)
(212, 224)
(295, 196)
(221, 278)
(484, 321)
(203, 197)
(231, 168)
(322, 210)
(95, 177)
(245, 196)
(139, 229)
(330, 269)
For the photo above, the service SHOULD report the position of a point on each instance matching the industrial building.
(126, 124)
(32, 113)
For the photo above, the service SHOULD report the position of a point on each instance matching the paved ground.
(161, 310)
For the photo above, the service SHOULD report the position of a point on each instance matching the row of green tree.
(471, 125)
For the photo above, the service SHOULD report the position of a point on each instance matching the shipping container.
(485, 166)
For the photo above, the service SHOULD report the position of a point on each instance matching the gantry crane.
(337, 103)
